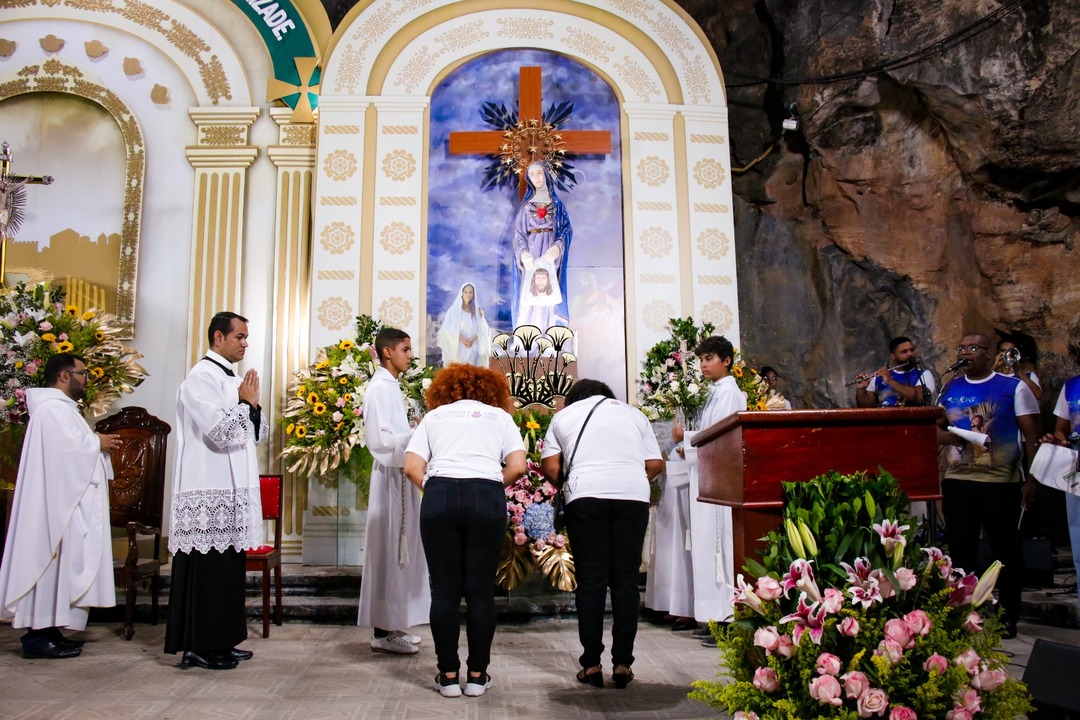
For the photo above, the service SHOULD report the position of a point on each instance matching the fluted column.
(294, 158)
(221, 160)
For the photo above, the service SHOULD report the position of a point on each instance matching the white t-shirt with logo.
(610, 464)
(466, 439)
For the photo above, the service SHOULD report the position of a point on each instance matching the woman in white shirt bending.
(607, 512)
(462, 453)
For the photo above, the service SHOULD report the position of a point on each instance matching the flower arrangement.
(323, 418)
(759, 396)
(671, 384)
(849, 618)
(531, 541)
(36, 324)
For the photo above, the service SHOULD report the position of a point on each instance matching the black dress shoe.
(57, 637)
(682, 625)
(48, 650)
(210, 661)
(239, 654)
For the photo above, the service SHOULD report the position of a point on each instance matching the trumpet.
(863, 377)
(1011, 357)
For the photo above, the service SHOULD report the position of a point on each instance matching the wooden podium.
(743, 459)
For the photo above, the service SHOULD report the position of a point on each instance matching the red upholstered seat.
(268, 557)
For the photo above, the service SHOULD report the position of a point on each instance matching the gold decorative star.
(277, 89)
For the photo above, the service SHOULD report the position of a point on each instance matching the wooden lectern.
(743, 459)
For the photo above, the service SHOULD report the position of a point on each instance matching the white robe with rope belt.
(394, 590)
(58, 557)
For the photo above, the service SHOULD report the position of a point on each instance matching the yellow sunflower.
(343, 380)
(737, 372)
(19, 364)
(346, 344)
(289, 428)
(72, 310)
(321, 365)
(532, 425)
(761, 405)
(99, 336)
(97, 372)
(319, 408)
(301, 431)
(348, 397)
(63, 347)
(88, 315)
(339, 426)
(300, 391)
(312, 398)
(48, 337)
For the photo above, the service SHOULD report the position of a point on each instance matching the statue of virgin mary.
(542, 231)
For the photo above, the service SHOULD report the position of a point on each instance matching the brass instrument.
(1011, 358)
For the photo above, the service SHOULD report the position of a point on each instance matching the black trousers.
(463, 527)
(969, 507)
(607, 537)
(207, 602)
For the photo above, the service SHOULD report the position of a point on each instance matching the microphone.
(957, 365)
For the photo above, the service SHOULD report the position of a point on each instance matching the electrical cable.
(965, 33)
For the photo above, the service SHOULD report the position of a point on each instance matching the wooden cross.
(10, 185)
(492, 142)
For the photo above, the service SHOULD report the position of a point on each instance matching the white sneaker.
(411, 639)
(394, 645)
(448, 687)
(475, 687)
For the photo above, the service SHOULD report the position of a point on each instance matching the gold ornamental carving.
(713, 244)
(656, 314)
(396, 312)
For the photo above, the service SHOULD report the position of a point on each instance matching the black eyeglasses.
(78, 372)
(970, 348)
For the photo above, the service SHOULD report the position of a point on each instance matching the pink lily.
(807, 617)
(801, 577)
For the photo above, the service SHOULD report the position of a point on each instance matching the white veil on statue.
(464, 336)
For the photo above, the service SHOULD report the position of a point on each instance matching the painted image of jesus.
(539, 297)
(542, 231)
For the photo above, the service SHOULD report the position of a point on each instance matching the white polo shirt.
(614, 447)
(466, 439)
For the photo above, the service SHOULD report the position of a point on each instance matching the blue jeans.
(607, 537)
(463, 526)
(1072, 511)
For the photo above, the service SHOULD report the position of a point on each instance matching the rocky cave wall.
(923, 200)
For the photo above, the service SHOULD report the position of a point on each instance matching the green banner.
(282, 28)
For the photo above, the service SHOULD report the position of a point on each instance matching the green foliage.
(671, 382)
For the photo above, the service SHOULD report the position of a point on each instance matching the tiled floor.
(307, 671)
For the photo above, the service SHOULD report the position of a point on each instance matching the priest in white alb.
(58, 559)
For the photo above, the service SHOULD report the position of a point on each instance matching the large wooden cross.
(530, 109)
(9, 186)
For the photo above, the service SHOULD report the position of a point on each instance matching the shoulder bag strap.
(577, 442)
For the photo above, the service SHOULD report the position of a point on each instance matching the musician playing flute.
(903, 383)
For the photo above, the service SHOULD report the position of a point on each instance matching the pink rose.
(855, 684)
(900, 632)
(901, 712)
(826, 690)
(989, 680)
(538, 497)
(765, 680)
(958, 713)
(832, 601)
(919, 621)
(45, 326)
(936, 664)
(973, 622)
(356, 412)
(785, 648)
(63, 336)
(969, 660)
(560, 541)
(872, 702)
(969, 699)
(767, 638)
(520, 539)
(740, 715)
(906, 578)
(521, 496)
(540, 544)
(828, 664)
(890, 650)
(768, 588)
(848, 626)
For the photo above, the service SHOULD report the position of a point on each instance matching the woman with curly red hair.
(462, 453)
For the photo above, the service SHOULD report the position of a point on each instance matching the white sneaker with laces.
(475, 687)
(411, 639)
(393, 645)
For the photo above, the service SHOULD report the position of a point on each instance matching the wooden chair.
(135, 500)
(268, 557)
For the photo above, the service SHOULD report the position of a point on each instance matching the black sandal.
(622, 679)
(594, 678)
